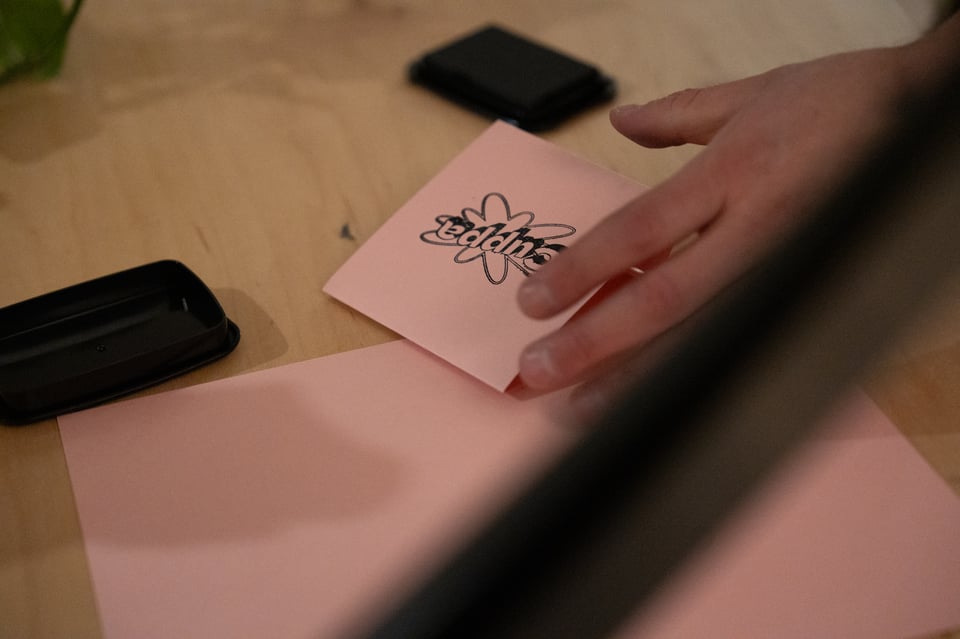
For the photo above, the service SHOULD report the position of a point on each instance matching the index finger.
(639, 231)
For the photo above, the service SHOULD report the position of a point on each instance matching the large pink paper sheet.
(444, 270)
(856, 537)
(280, 503)
(288, 502)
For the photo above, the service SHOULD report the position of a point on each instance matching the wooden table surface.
(260, 141)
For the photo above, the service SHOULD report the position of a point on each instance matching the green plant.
(33, 36)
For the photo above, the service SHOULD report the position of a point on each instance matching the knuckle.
(641, 234)
(563, 274)
(683, 99)
(660, 298)
(576, 350)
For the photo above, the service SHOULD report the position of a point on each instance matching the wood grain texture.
(242, 136)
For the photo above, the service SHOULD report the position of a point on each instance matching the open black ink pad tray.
(107, 337)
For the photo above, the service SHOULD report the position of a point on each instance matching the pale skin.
(773, 145)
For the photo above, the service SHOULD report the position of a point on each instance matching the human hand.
(775, 144)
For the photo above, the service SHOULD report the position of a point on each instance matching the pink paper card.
(293, 501)
(444, 270)
(284, 503)
(854, 537)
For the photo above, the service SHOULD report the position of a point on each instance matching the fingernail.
(535, 298)
(537, 367)
(623, 109)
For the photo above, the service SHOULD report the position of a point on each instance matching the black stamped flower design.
(498, 238)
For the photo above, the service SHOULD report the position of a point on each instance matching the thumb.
(687, 116)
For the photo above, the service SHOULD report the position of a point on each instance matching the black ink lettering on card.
(498, 238)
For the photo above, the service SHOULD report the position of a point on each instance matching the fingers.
(663, 216)
(688, 116)
(617, 375)
(633, 315)
(683, 205)
(635, 235)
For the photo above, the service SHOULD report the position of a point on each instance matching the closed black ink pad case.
(107, 337)
(507, 76)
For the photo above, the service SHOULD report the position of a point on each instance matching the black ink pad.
(504, 75)
(85, 344)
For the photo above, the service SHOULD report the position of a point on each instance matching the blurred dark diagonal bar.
(583, 547)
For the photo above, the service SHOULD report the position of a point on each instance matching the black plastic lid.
(92, 342)
(501, 74)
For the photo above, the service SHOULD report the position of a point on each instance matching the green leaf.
(33, 36)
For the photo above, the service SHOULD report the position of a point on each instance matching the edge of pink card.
(450, 288)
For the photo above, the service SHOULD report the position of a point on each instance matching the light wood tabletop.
(261, 141)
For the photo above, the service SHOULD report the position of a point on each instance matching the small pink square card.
(444, 270)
